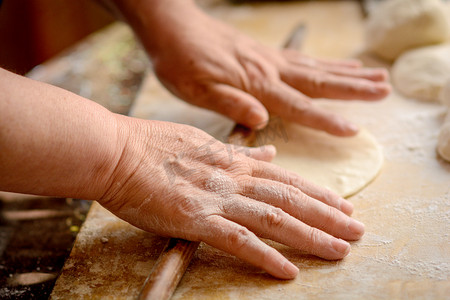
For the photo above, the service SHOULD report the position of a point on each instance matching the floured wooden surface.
(110, 258)
(405, 252)
(406, 209)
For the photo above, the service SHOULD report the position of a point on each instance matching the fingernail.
(346, 207)
(290, 269)
(340, 246)
(355, 227)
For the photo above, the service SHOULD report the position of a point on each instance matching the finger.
(264, 153)
(239, 241)
(349, 62)
(275, 173)
(288, 103)
(294, 56)
(318, 84)
(238, 106)
(273, 223)
(374, 74)
(348, 68)
(301, 206)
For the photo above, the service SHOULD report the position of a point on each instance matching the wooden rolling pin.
(176, 256)
(168, 269)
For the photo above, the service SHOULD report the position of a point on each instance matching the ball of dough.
(445, 93)
(443, 146)
(421, 73)
(399, 25)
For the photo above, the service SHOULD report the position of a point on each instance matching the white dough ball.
(445, 93)
(399, 25)
(443, 146)
(422, 73)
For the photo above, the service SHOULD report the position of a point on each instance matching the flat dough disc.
(342, 164)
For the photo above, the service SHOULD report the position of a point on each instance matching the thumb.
(239, 106)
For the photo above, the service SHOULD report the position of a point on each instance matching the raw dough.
(444, 139)
(422, 73)
(443, 145)
(445, 93)
(399, 25)
(342, 164)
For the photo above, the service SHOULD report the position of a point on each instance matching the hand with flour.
(211, 65)
(183, 183)
(170, 179)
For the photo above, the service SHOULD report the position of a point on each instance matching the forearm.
(53, 142)
(154, 20)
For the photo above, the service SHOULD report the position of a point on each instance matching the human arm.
(212, 65)
(51, 142)
(170, 179)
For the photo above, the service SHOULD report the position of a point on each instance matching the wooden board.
(405, 252)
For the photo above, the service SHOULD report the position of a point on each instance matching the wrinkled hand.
(211, 65)
(175, 180)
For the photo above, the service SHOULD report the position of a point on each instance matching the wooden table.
(405, 252)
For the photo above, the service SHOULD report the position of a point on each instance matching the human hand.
(209, 64)
(177, 181)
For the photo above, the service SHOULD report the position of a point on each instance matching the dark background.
(37, 233)
(32, 31)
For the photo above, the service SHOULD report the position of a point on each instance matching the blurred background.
(33, 31)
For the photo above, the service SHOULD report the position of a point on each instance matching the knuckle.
(223, 207)
(297, 106)
(238, 239)
(353, 88)
(314, 238)
(187, 207)
(295, 180)
(276, 217)
(290, 194)
(240, 165)
(331, 215)
(258, 71)
(297, 200)
(303, 105)
(302, 203)
(247, 185)
(317, 80)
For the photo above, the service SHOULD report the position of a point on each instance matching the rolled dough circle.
(445, 93)
(422, 73)
(399, 25)
(344, 165)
